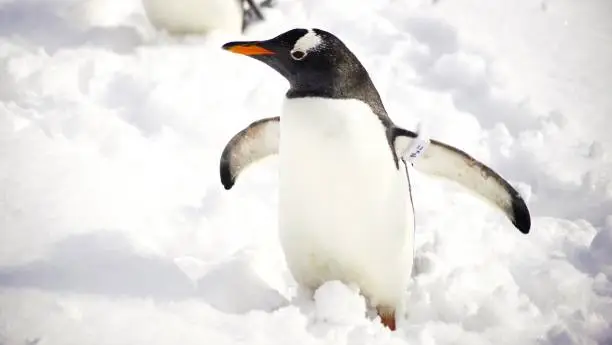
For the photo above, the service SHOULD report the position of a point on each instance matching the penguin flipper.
(257, 141)
(449, 162)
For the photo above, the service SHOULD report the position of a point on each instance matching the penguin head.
(315, 62)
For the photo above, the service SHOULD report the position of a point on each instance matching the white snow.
(115, 229)
(337, 303)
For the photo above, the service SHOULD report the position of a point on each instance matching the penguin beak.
(270, 52)
(250, 48)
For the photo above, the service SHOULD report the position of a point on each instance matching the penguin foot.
(387, 317)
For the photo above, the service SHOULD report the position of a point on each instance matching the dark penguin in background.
(251, 12)
(344, 208)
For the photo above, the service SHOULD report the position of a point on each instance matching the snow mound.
(115, 229)
(236, 287)
(340, 304)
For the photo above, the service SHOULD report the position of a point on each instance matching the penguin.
(345, 212)
(181, 17)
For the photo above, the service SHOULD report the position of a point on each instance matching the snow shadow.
(41, 23)
(588, 199)
(446, 67)
(104, 263)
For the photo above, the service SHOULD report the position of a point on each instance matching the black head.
(315, 62)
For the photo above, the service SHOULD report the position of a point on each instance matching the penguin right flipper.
(258, 140)
(446, 161)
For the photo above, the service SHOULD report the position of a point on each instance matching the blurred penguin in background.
(184, 17)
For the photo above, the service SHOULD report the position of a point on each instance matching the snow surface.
(115, 228)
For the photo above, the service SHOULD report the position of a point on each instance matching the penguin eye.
(298, 55)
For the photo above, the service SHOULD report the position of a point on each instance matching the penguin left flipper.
(257, 141)
(449, 162)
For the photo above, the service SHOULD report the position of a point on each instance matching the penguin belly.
(194, 16)
(344, 207)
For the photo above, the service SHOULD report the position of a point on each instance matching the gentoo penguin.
(201, 16)
(344, 208)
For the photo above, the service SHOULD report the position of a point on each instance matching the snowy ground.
(115, 228)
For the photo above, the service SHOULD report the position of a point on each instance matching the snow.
(337, 303)
(115, 228)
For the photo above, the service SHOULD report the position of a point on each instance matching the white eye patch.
(309, 41)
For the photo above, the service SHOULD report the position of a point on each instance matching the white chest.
(344, 211)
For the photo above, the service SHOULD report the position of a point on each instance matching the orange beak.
(247, 48)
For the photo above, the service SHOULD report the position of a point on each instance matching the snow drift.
(116, 230)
